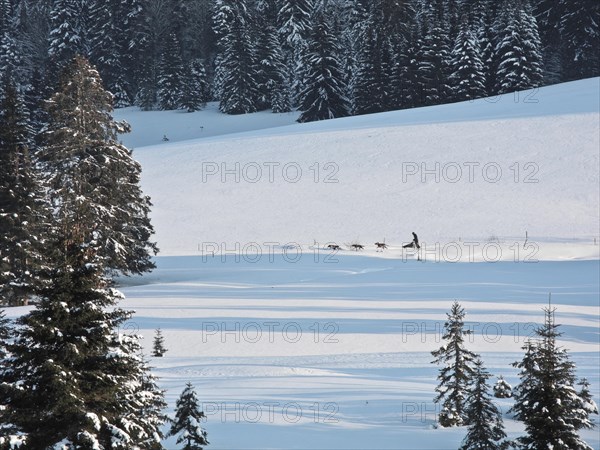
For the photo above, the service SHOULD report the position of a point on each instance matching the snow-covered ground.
(487, 171)
(293, 346)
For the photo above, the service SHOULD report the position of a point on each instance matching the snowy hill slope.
(485, 171)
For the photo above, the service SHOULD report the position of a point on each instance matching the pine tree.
(457, 372)
(546, 399)
(196, 88)
(323, 96)
(502, 389)
(486, 428)
(23, 209)
(237, 67)
(171, 76)
(188, 418)
(93, 179)
(468, 77)
(580, 33)
(158, 346)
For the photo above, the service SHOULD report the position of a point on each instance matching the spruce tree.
(93, 179)
(188, 418)
(66, 36)
(5, 333)
(434, 64)
(273, 75)
(158, 346)
(546, 399)
(486, 428)
(457, 373)
(548, 14)
(324, 93)
(23, 209)
(237, 67)
(587, 406)
(196, 88)
(517, 52)
(502, 389)
(73, 378)
(468, 77)
(371, 84)
(171, 75)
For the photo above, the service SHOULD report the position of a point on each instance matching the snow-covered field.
(292, 346)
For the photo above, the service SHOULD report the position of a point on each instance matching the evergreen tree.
(434, 63)
(66, 38)
(237, 67)
(158, 346)
(171, 76)
(323, 96)
(196, 89)
(273, 75)
(546, 399)
(371, 84)
(548, 14)
(457, 373)
(106, 52)
(73, 378)
(518, 49)
(502, 389)
(188, 418)
(93, 179)
(580, 35)
(23, 210)
(486, 428)
(587, 406)
(468, 77)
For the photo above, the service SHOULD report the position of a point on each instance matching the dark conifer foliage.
(546, 399)
(24, 212)
(486, 428)
(188, 418)
(458, 371)
(324, 93)
(94, 181)
(158, 345)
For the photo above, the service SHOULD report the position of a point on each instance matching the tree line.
(327, 58)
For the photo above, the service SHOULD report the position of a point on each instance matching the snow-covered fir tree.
(486, 428)
(5, 333)
(273, 75)
(546, 400)
(371, 83)
(468, 73)
(502, 389)
(457, 374)
(158, 345)
(188, 418)
(517, 52)
(66, 36)
(434, 62)
(171, 75)
(588, 405)
(324, 93)
(548, 14)
(93, 179)
(24, 212)
(238, 88)
(73, 378)
(196, 88)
